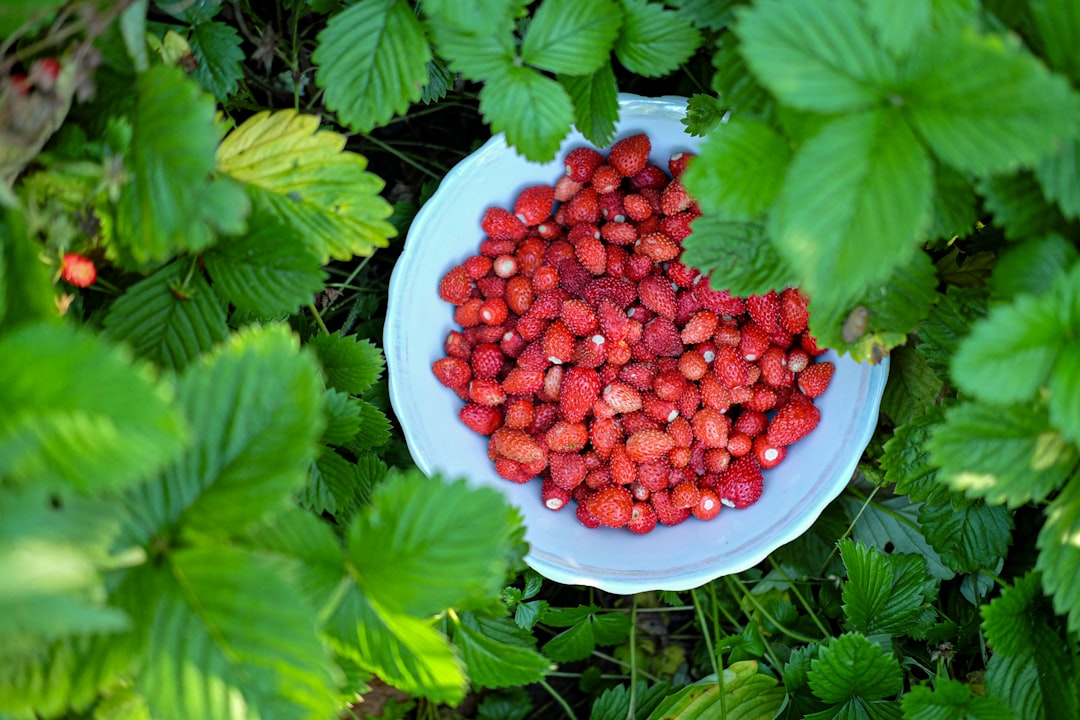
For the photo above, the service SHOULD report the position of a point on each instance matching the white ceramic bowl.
(445, 232)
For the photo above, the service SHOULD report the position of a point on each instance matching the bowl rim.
(678, 578)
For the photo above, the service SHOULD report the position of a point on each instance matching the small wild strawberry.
(78, 270)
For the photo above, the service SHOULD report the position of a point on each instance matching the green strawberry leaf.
(983, 104)
(217, 46)
(704, 113)
(913, 387)
(1008, 355)
(948, 323)
(615, 702)
(968, 535)
(497, 653)
(570, 36)
(1059, 557)
(951, 700)
(739, 171)
(269, 271)
(1017, 625)
(820, 55)
(735, 86)
(1058, 26)
(906, 460)
(1064, 387)
(413, 553)
(1001, 453)
(1059, 177)
(883, 593)
(898, 23)
(372, 59)
(653, 40)
(738, 255)
(341, 487)
(892, 526)
(850, 667)
(350, 363)
(596, 103)
(305, 176)
(170, 318)
(1019, 206)
(1030, 267)
(828, 218)
(1015, 681)
(475, 37)
(100, 422)
(538, 133)
(740, 692)
(342, 413)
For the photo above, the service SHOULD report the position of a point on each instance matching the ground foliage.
(207, 511)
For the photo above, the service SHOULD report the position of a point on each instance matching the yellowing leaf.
(308, 179)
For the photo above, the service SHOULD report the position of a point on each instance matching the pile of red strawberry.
(597, 361)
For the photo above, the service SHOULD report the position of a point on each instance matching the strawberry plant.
(207, 511)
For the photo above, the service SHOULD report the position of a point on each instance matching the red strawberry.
(612, 505)
(579, 390)
(573, 276)
(720, 302)
(481, 419)
(457, 345)
(682, 275)
(700, 327)
(815, 379)
(493, 311)
(567, 469)
(586, 518)
(565, 436)
(467, 314)
(809, 343)
(658, 409)
(751, 423)
(452, 372)
(763, 398)
(491, 286)
(656, 293)
(606, 179)
(553, 496)
(685, 494)
(631, 154)
(622, 397)
(648, 444)
(678, 225)
(552, 381)
(797, 359)
(658, 246)
(774, 370)
(692, 365)
(674, 198)
(520, 381)
(583, 207)
(566, 187)
(794, 311)
(767, 454)
(534, 204)
(558, 343)
(708, 505)
(764, 310)
(487, 360)
(590, 352)
(579, 317)
(678, 163)
(592, 255)
(651, 176)
(753, 341)
(730, 367)
(793, 422)
(492, 248)
(620, 292)
(637, 208)
(739, 444)
(516, 445)
(716, 460)
(455, 287)
(666, 512)
(741, 484)
(711, 427)
(519, 413)
(486, 392)
(519, 294)
(619, 233)
(581, 162)
(643, 519)
(477, 266)
(500, 224)
(661, 337)
(638, 375)
(504, 266)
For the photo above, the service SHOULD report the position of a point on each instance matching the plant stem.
(559, 699)
(768, 616)
(794, 588)
(705, 633)
(400, 156)
(851, 526)
(318, 318)
(633, 658)
(621, 663)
